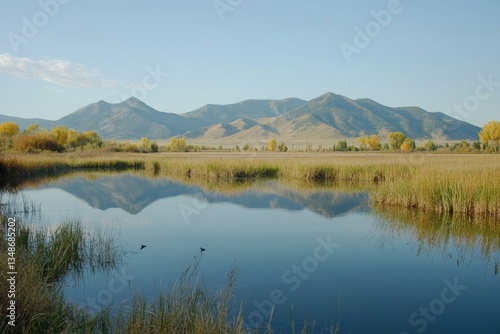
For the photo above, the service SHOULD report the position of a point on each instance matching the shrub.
(154, 147)
(430, 146)
(37, 142)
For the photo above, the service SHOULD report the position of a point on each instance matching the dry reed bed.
(457, 184)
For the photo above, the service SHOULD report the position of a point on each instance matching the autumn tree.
(61, 134)
(177, 144)
(371, 143)
(32, 128)
(490, 134)
(396, 139)
(408, 145)
(90, 138)
(362, 143)
(374, 142)
(271, 146)
(72, 138)
(145, 144)
(9, 129)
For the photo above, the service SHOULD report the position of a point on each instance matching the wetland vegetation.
(463, 184)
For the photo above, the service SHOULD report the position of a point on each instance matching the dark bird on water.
(202, 249)
(142, 246)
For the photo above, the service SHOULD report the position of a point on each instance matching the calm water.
(321, 250)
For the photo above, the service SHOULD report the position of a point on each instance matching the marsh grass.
(457, 238)
(473, 190)
(18, 168)
(44, 258)
(189, 307)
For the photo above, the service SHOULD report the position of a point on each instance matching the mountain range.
(327, 117)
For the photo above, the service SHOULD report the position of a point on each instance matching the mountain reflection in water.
(133, 193)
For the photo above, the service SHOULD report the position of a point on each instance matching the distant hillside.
(218, 130)
(418, 123)
(24, 122)
(353, 118)
(130, 119)
(249, 109)
(327, 117)
(332, 116)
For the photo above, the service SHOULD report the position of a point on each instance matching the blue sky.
(179, 55)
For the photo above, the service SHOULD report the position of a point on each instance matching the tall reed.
(44, 257)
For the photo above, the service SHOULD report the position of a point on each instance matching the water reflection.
(133, 193)
(455, 238)
(270, 228)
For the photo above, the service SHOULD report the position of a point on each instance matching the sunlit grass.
(472, 190)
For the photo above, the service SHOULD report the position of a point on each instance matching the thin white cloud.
(60, 72)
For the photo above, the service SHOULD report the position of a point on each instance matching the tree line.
(61, 139)
(33, 139)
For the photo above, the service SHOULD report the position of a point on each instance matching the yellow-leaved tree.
(490, 134)
(32, 128)
(396, 139)
(177, 144)
(408, 145)
(9, 129)
(371, 143)
(272, 145)
(61, 134)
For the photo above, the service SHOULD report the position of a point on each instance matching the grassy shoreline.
(464, 184)
(48, 256)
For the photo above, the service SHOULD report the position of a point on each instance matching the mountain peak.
(101, 104)
(132, 100)
(135, 105)
(329, 98)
